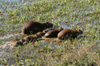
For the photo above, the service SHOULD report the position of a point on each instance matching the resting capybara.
(53, 33)
(68, 33)
(29, 38)
(32, 38)
(33, 27)
(16, 42)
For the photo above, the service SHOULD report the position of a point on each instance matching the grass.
(83, 14)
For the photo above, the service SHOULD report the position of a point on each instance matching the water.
(64, 26)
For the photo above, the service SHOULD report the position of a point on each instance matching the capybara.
(34, 27)
(53, 33)
(16, 42)
(29, 38)
(68, 33)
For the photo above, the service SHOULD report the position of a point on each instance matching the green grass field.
(82, 14)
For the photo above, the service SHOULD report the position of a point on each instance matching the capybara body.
(68, 33)
(53, 33)
(33, 27)
(29, 38)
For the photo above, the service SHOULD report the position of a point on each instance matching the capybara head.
(79, 31)
(48, 24)
(60, 28)
(16, 42)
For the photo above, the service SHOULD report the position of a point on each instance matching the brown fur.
(40, 34)
(53, 33)
(45, 31)
(16, 42)
(68, 33)
(33, 27)
(29, 38)
(26, 39)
